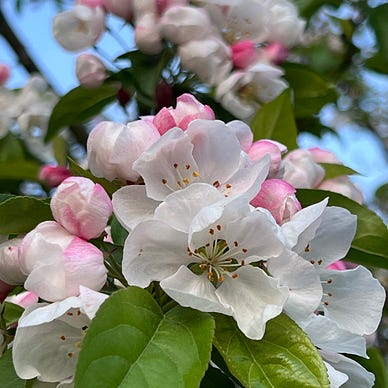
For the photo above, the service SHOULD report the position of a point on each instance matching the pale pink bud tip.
(276, 53)
(4, 73)
(243, 53)
(90, 71)
(53, 176)
(91, 3)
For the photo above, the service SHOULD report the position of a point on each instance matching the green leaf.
(11, 313)
(110, 187)
(311, 91)
(79, 105)
(275, 121)
(19, 170)
(284, 357)
(11, 149)
(308, 7)
(215, 378)
(119, 234)
(377, 63)
(369, 246)
(376, 365)
(333, 170)
(22, 214)
(378, 20)
(131, 343)
(8, 377)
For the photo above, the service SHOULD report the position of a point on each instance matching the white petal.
(333, 237)
(303, 225)
(359, 377)
(180, 207)
(327, 335)
(336, 378)
(167, 162)
(195, 291)
(131, 205)
(153, 251)
(254, 298)
(355, 299)
(214, 146)
(305, 290)
(91, 301)
(243, 132)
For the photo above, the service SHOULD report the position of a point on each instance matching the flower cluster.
(235, 47)
(211, 220)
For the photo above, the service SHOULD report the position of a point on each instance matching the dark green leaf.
(369, 246)
(4, 197)
(311, 91)
(275, 121)
(378, 20)
(8, 377)
(10, 149)
(110, 187)
(79, 105)
(308, 7)
(285, 357)
(119, 234)
(19, 170)
(22, 214)
(131, 343)
(377, 63)
(215, 378)
(333, 170)
(11, 313)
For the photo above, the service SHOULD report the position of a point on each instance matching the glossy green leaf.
(378, 21)
(333, 170)
(78, 105)
(11, 313)
(19, 170)
(11, 149)
(275, 121)
(369, 246)
(284, 357)
(110, 187)
(119, 234)
(131, 343)
(311, 91)
(22, 214)
(8, 376)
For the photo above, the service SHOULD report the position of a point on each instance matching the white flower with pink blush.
(90, 71)
(82, 207)
(68, 262)
(113, 148)
(79, 28)
(10, 271)
(4, 73)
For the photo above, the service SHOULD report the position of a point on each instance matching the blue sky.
(33, 26)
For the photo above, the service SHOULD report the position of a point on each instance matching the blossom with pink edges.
(90, 71)
(243, 53)
(82, 207)
(53, 176)
(4, 73)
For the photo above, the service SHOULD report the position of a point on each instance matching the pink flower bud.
(52, 176)
(321, 155)
(163, 94)
(147, 35)
(58, 263)
(113, 148)
(337, 266)
(121, 8)
(276, 53)
(243, 53)
(91, 3)
(163, 5)
(279, 198)
(90, 71)
(24, 299)
(4, 73)
(344, 186)
(262, 147)
(188, 108)
(81, 207)
(10, 271)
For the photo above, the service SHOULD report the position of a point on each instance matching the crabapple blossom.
(10, 271)
(113, 148)
(147, 34)
(199, 246)
(188, 108)
(53, 176)
(67, 263)
(279, 198)
(243, 53)
(275, 53)
(82, 207)
(49, 336)
(243, 92)
(79, 28)
(90, 71)
(24, 299)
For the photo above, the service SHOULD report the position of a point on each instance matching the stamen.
(312, 261)
(211, 231)
(187, 166)
(195, 174)
(63, 337)
(234, 276)
(216, 184)
(244, 250)
(175, 165)
(320, 262)
(186, 180)
(235, 243)
(307, 249)
(228, 186)
(70, 355)
(218, 227)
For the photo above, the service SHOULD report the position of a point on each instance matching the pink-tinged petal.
(263, 147)
(344, 186)
(132, 206)
(194, 291)
(243, 132)
(254, 298)
(243, 53)
(153, 251)
(53, 176)
(24, 299)
(321, 155)
(164, 120)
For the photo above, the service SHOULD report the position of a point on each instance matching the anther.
(235, 243)
(228, 186)
(234, 276)
(63, 337)
(164, 181)
(307, 249)
(195, 174)
(329, 294)
(329, 281)
(70, 355)
(320, 262)
(70, 314)
(312, 261)
(244, 250)
(187, 166)
(186, 180)
(326, 303)
(216, 184)
(175, 165)
(211, 231)
(242, 262)
(218, 227)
